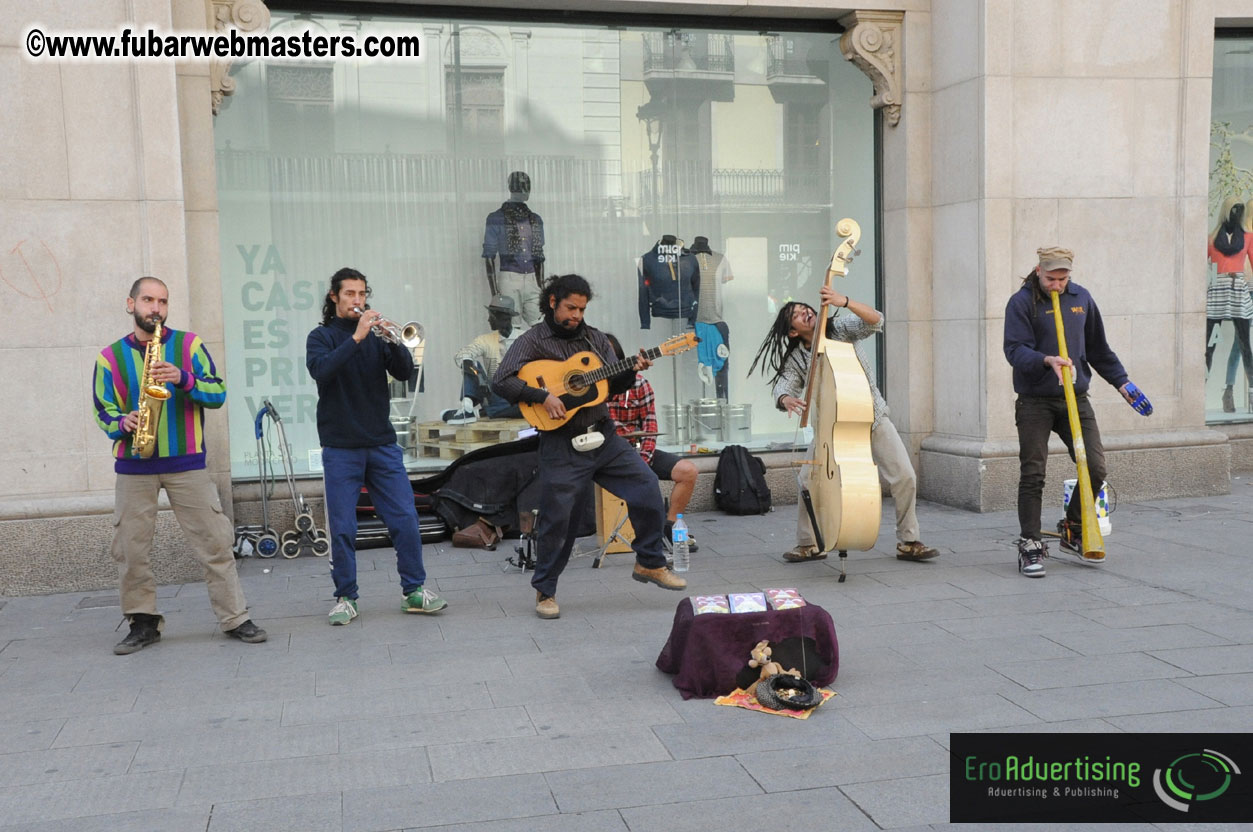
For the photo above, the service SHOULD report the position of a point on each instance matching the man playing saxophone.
(174, 459)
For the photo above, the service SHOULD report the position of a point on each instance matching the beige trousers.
(889, 454)
(525, 293)
(208, 531)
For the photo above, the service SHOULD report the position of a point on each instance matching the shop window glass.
(756, 143)
(1228, 303)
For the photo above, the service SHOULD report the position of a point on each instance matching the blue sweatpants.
(615, 466)
(382, 470)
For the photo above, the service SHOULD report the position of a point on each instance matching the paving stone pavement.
(487, 719)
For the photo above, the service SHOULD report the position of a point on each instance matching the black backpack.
(740, 484)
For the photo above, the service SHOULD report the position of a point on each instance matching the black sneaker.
(1031, 555)
(248, 633)
(1071, 536)
(143, 632)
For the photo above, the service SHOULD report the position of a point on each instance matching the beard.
(146, 324)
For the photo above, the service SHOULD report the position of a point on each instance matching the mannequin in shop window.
(715, 338)
(478, 361)
(669, 282)
(515, 234)
(1227, 298)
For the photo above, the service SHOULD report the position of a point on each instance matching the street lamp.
(650, 114)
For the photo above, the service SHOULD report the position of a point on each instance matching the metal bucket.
(737, 423)
(672, 421)
(706, 419)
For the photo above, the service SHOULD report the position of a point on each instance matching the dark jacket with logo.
(1031, 334)
(669, 284)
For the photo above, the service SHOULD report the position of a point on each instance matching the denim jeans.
(475, 385)
(382, 470)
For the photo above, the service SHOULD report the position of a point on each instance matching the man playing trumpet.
(1032, 348)
(350, 364)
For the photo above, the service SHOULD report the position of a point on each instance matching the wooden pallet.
(439, 440)
(450, 449)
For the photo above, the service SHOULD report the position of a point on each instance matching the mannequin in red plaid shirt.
(636, 410)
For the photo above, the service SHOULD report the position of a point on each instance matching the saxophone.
(152, 398)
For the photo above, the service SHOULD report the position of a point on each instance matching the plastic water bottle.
(682, 556)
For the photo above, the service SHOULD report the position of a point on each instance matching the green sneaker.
(345, 610)
(423, 600)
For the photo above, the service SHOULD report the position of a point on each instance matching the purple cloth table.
(705, 652)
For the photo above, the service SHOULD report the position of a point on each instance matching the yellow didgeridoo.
(1093, 544)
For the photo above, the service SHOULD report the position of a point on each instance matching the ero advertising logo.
(1051, 778)
(1194, 778)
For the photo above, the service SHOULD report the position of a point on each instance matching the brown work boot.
(662, 576)
(546, 606)
(801, 553)
(915, 550)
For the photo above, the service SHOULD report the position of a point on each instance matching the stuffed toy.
(761, 659)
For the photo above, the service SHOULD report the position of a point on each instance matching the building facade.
(962, 134)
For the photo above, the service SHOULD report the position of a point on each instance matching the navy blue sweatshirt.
(354, 402)
(1031, 334)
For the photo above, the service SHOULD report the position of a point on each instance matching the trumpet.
(410, 335)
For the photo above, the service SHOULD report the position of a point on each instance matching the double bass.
(843, 500)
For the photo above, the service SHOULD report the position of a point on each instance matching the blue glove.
(1139, 401)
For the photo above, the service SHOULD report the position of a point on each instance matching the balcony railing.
(688, 52)
(787, 56)
(687, 185)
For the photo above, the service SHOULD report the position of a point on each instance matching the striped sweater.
(180, 432)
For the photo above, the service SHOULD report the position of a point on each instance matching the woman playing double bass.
(786, 352)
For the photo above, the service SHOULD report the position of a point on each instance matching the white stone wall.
(1081, 122)
(95, 191)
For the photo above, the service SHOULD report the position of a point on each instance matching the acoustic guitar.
(582, 380)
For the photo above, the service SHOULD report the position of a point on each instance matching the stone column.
(432, 42)
(518, 82)
(1046, 129)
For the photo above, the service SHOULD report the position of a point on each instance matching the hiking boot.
(423, 600)
(546, 606)
(915, 550)
(1031, 555)
(345, 610)
(662, 576)
(143, 632)
(1071, 536)
(1229, 401)
(248, 633)
(801, 553)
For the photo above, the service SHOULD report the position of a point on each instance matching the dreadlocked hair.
(778, 346)
(337, 280)
(1037, 292)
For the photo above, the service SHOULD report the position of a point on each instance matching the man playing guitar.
(584, 447)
